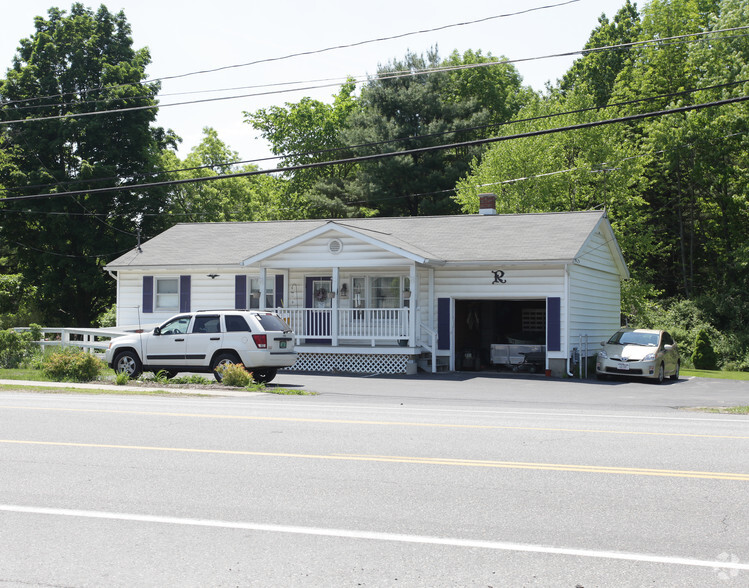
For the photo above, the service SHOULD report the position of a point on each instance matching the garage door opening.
(500, 334)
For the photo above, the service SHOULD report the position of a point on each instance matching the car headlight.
(603, 355)
(649, 357)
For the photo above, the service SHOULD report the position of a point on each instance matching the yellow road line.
(411, 460)
(372, 423)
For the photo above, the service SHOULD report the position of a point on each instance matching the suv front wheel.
(128, 362)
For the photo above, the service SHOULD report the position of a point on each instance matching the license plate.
(282, 344)
(623, 366)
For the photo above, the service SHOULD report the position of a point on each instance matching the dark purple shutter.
(184, 293)
(148, 294)
(279, 291)
(240, 292)
(553, 324)
(443, 323)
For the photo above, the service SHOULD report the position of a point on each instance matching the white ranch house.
(385, 295)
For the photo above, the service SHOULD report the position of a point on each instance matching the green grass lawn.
(714, 374)
(24, 374)
(107, 377)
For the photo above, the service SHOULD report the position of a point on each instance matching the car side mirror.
(157, 331)
(603, 343)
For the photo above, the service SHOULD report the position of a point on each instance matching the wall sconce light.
(344, 291)
(406, 294)
(213, 276)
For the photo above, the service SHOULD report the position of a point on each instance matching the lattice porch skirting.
(357, 363)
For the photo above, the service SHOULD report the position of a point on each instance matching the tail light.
(261, 341)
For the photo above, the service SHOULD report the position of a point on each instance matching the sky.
(195, 35)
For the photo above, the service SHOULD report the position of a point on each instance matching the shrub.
(194, 379)
(108, 318)
(234, 374)
(704, 357)
(121, 378)
(16, 347)
(70, 364)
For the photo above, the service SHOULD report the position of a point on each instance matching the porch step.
(424, 362)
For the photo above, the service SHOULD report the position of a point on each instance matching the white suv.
(202, 341)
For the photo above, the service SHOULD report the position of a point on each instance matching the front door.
(318, 300)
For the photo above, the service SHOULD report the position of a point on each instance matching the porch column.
(413, 305)
(263, 278)
(334, 308)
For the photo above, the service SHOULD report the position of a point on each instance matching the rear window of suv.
(235, 323)
(270, 322)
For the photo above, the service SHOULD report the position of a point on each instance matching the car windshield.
(634, 338)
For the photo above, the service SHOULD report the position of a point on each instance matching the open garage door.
(500, 334)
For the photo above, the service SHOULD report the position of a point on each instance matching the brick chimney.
(487, 204)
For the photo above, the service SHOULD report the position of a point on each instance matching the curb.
(115, 388)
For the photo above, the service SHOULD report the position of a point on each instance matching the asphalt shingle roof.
(464, 238)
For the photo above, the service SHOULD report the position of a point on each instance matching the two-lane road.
(376, 482)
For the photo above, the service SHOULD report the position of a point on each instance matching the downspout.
(116, 278)
(567, 318)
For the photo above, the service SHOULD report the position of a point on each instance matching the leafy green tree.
(248, 198)
(596, 72)
(73, 65)
(309, 132)
(407, 112)
(495, 88)
(704, 357)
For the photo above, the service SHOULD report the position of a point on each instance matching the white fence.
(92, 340)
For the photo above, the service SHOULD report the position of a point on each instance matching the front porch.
(360, 340)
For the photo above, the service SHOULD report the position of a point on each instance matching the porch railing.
(356, 324)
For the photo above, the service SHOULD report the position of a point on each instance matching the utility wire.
(325, 50)
(391, 141)
(420, 194)
(404, 74)
(379, 156)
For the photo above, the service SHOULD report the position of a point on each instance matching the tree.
(704, 357)
(595, 73)
(248, 198)
(309, 132)
(406, 112)
(71, 66)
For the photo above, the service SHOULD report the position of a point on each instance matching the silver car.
(643, 353)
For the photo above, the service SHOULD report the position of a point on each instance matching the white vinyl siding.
(595, 304)
(316, 253)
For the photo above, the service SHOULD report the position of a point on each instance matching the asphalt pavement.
(487, 387)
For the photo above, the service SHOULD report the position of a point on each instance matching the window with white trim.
(380, 291)
(167, 293)
(253, 292)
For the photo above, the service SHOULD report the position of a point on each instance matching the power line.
(378, 156)
(402, 196)
(391, 141)
(398, 75)
(324, 50)
(69, 255)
